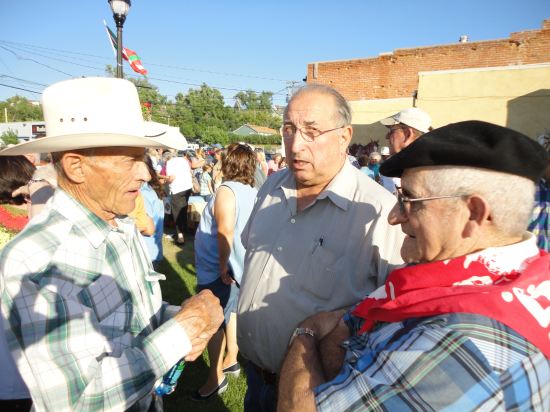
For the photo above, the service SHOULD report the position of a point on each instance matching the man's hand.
(200, 316)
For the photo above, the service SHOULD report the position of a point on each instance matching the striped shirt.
(451, 362)
(85, 319)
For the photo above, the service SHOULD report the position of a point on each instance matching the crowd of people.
(357, 277)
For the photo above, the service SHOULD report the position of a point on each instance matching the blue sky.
(235, 45)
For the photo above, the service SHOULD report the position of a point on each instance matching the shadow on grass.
(179, 267)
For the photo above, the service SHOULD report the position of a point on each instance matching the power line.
(19, 88)
(97, 68)
(151, 64)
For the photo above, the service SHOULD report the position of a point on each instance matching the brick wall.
(396, 74)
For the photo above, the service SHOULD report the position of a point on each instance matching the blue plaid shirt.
(451, 362)
(540, 223)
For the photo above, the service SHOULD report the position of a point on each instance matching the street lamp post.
(120, 10)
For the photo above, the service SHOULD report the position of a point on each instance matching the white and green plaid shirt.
(84, 312)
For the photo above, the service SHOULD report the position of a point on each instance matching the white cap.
(385, 151)
(416, 118)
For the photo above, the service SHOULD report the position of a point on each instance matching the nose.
(395, 217)
(297, 142)
(142, 172)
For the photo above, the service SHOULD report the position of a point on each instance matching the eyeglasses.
(309, 134)
(404, 202)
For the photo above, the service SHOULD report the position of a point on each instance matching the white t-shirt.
(179, 167)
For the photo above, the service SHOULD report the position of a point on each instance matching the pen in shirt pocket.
(318, 243)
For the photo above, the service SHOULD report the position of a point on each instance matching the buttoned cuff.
(166, 346)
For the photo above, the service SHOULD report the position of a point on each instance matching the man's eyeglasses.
(309, 134)
(404, 202)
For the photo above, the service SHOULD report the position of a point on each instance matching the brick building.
(466, 80)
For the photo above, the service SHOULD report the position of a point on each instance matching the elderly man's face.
(113, 177)
(434, 227)
(315, 163)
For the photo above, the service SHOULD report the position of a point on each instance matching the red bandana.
(518, 297)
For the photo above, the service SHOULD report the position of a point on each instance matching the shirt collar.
(339, 191)
(88, 223)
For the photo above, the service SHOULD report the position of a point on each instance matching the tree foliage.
(20, 109)
(9, 137)
(201, 113)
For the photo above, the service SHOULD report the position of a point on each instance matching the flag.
(129, 55)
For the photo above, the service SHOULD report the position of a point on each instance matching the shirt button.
(292, 220)
(279, 248)
(254, 306)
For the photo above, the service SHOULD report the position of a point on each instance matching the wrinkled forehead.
(310, 107)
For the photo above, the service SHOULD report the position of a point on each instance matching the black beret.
(472, 143)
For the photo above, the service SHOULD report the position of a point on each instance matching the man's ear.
(345, 138)
(73, 166)
(479, 215)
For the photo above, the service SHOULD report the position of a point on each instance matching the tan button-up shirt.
(326, 257)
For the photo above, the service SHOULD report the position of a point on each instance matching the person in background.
(144, 223)
(153, 193)
(273, 164)
(385, 152)
(404, 128)
(156, 159)
(317, 238)
(282, 163)
(465, 326)
(15, 172)
(375, 159)
(364, 166)
(178, 175)
(206, 182)
(540, 220)
(260, 154)
(84, 317)
(219, 259)
(217, 175)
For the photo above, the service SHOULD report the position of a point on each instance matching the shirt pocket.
(104, 296)
(320, 274)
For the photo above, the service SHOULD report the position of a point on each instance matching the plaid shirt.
(84, 312)
(540, 221)
(452, 362)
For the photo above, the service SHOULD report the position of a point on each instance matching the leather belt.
(268, 377)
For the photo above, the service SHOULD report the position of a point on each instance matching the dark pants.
(16, 405)
(260, 396)
(178, 204)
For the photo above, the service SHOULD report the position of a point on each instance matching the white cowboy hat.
(95, 112)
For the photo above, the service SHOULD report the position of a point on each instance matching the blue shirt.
(206, 238)
(155, 209)
(451, 362)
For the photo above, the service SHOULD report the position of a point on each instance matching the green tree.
(251, 100)
(9, 137)
(20, 109)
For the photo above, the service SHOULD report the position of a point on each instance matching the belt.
(268, 377)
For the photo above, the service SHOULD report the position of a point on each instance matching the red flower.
(12, 222)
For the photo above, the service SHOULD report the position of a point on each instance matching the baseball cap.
(412, 117)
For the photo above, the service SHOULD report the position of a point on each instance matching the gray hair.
(342, 112)
(510, 197)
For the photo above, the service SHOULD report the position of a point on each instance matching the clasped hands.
(201, 316)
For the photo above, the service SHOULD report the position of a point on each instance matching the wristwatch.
(299, 332)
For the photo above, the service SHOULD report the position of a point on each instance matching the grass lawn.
(179, 267)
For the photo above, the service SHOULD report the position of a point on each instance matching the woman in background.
(219, 259)
(153, 193)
